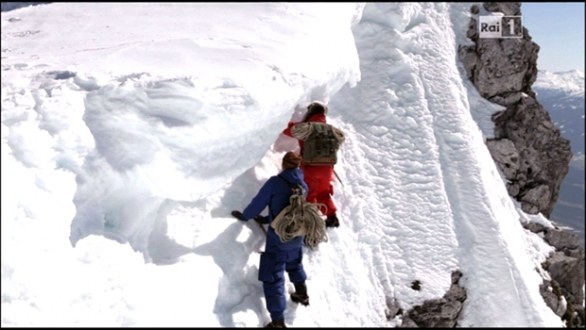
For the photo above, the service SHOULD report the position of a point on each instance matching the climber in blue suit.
(279, 256)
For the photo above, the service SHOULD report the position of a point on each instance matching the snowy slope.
(129, 132)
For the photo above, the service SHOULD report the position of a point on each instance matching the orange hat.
(291, 160)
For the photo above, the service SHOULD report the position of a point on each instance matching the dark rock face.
(501, 69)
(507, 8)
(529, 150)
(543, 155)
(563, 292)
(438, 313)
(527, 147)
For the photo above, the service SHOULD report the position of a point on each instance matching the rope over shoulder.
(300, 218)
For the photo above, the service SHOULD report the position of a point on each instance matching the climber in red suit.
(318, 177)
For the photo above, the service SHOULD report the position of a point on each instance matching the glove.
(238, 215)
(261, 219)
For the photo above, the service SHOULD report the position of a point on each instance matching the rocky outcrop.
(501, 69)
(564, 291)
(438, 313)
(527, 146)
(435, 313)
(529, 150)
(542, 155)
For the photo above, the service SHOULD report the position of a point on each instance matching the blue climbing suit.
(278, 256)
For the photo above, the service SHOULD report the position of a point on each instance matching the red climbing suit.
(318, 177)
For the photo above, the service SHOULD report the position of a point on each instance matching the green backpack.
(321, 142)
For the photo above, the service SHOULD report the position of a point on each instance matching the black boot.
(332, 221)
(276, 324)
(300, 294)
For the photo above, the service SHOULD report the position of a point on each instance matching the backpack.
(321, 142)
(300, 218)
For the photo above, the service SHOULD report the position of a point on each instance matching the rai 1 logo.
(499, 26)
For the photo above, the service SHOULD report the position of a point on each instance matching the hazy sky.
(559, 29)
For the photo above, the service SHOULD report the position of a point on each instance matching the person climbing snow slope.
(279, 256)
(319, 176)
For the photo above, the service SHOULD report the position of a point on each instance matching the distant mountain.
(8, 6)
(571, 82)
(562, 94)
